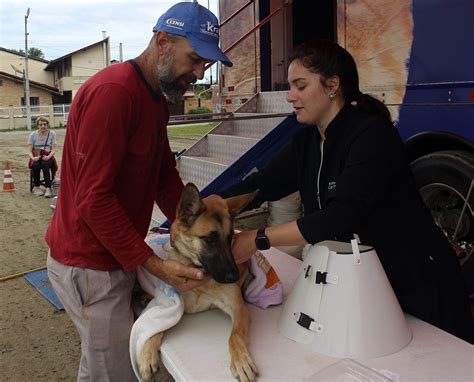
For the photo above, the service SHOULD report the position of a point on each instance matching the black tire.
(444, 179)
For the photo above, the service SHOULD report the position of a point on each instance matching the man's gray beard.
(167, 82)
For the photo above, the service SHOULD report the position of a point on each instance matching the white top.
(39, 143)
(197, 348)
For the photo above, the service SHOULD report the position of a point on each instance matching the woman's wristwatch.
(261, 240)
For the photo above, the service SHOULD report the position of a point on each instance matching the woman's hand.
(179, 276)
(243, 246)
(46, 157)
(36, 159)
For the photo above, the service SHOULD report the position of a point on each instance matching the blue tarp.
(40, 281)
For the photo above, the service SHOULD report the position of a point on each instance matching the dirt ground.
(36, 341)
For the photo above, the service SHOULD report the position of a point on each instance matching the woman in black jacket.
(354, 178)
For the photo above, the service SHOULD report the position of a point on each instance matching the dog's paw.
(149, 359)
(243, 368)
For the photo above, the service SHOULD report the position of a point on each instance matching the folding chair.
(53, 169)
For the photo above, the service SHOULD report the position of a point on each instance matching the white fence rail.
(15, 117)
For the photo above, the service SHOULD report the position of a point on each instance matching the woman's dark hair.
(327, 59)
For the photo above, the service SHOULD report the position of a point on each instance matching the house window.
(1, 82)
(34, 104)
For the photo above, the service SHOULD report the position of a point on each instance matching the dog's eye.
(211, 239)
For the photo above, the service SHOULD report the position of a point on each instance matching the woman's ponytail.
(372, 105)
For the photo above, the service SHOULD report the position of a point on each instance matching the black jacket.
(359, 181)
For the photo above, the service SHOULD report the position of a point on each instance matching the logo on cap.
(175, 23)
(210, 29)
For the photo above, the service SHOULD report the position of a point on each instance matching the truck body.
(417, 56)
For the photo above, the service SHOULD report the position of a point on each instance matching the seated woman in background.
(41, 144)
(354, 178)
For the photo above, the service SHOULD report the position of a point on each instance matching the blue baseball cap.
(199, 25)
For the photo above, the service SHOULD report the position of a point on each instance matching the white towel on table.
(262, 288)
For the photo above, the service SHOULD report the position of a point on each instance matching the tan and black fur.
(201, 235)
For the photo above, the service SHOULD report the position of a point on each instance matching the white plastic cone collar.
(351, 312)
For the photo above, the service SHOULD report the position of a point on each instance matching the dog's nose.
(231, 277)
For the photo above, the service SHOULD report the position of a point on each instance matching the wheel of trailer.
(445, 179)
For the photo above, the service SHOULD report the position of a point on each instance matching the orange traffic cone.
(8, 183)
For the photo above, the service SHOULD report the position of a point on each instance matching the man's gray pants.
(99, 304)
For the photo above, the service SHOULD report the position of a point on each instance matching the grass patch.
(173, 131)
(190, 130)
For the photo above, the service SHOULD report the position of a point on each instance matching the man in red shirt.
(116, 163)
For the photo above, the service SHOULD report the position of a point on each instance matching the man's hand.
(179, 276)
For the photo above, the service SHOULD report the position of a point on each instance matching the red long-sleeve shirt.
(116, 162)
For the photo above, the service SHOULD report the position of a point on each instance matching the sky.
(59, 27)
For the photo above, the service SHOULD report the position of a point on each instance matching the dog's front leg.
(149, 358)
(242, 365)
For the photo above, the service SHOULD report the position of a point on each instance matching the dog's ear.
(190, 205)
(235, 204)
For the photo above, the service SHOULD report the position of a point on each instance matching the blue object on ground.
(40, 280)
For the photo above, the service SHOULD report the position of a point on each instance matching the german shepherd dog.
(201, 235)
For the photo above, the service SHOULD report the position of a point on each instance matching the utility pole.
(104, 46)
(27, 79)
(210, 69)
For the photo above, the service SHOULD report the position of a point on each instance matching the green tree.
(35, 52)
(32, 52)
(202, 91)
